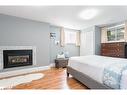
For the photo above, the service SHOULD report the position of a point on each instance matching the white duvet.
(93, 66)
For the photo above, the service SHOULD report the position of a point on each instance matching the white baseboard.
(23, 71)
(52, 64)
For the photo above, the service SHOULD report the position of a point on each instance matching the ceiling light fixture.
(88, 14)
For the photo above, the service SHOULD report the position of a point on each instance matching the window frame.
(115, 29)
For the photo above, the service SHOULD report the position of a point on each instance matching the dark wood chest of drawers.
(117, 49)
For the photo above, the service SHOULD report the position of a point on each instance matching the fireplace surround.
(17, 58)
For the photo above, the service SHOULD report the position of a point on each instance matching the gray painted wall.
(16, 31)
(97, 40)
(55, 49)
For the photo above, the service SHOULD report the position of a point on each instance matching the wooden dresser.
(117, 49)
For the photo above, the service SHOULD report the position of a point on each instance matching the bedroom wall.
(16, 31)
(55, 49)
(97, 40)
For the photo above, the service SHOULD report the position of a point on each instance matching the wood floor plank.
(53, 79)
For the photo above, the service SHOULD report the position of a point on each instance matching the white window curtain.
(78, 38)
(62, 37)
(125, 35)
(104, 35)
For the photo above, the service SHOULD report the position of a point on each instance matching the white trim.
(116, 41)
(116, 26)
(23, 71)
(52, 64)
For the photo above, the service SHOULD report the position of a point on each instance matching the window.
(70, 37)
(116, 33)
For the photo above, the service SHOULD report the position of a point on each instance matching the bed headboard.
(117, 49)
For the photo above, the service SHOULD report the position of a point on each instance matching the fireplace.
(17, 58)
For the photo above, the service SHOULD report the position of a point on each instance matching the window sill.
(115, 41)
(70, 43)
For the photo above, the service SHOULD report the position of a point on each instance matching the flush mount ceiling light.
(88, 14)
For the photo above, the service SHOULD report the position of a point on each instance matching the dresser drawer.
(113, 49)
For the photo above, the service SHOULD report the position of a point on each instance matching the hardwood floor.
(53, 79)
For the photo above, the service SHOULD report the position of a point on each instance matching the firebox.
(17, 58)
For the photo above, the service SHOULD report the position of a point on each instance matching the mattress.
(93, 66)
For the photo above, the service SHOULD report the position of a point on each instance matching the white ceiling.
(67, 16)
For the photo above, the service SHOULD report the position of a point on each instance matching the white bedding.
(93, 66)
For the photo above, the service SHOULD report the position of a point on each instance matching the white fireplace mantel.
(16, 48)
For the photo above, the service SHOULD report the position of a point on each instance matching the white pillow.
(60, 56)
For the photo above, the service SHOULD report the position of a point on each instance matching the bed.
(90, 70)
